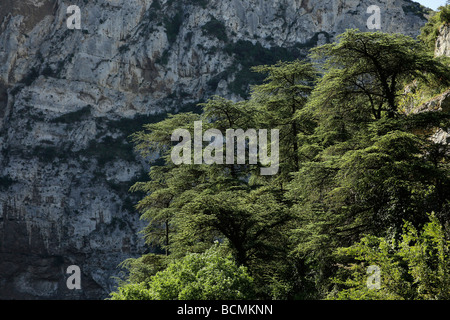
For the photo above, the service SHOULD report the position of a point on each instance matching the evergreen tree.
(280, 99)
(413, 266)
(365, 168)
(353, 164)
(366, 70)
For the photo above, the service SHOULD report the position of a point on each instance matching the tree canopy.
(358, 176)
(366, 71)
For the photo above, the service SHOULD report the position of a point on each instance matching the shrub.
(173, 26)
(31, 76)
(430, 31)
(416, 267)
(74, 116)
(6, 182)
(215, 28)
(110, 149)
(248, 55)
(445, 14)
(212, 275)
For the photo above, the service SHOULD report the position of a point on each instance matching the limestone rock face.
(69, 99)
(440, 103)
(443, 42)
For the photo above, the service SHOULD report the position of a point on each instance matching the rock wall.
(443, 42)
(69, 99)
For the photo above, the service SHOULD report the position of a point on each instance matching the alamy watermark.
(374, 279)
(74, 281)
(255, 141)
(74, 21)
(374, 21)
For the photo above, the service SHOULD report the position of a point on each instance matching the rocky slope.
(70, 98)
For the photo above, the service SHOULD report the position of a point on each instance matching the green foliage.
(355, 165)
(45, 154)
(367, 183)
(201, 3)
(156, 5)
(173, 26)
(49, 154)
(212, 275)
(124, 48)
(132, 291)
(109, 149)
(419, 92)
(430, 31)
(445, 13)
(248, 55)
(215, 28)
(189, 206)
(31, 76)
(416, 9)
(362, 170)
(142, 269)
(164, 58)
(127, 126)
(416, 266)
(6, 182)
(74, 116)
(282, 97)
(366, 70)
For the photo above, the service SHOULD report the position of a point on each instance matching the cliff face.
(70, 98)
(443, 41)
(441, 102)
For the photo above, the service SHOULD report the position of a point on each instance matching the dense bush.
(413, 266)
(212, 275)
(445, 14)
(353, 169)
(6, 182)
(430, 31)
(248, 55)
(215, 28)
(173, 26)
(109, 149)
(74, 116)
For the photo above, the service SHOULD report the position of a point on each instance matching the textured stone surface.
(440, 103)
(67, 98)
(443, 41)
